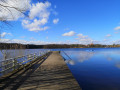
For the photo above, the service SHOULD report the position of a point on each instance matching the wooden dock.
(49, 74)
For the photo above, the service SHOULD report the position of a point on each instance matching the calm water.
(19, 52)
(9, 65)
(95, 68)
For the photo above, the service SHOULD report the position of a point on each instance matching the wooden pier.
(49, 74)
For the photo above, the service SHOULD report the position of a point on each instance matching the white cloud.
(86, 41)
(13, 13)
(55, 21)
(36, 25)
(40, 10)
(36, 42)
(82, 39)
(81, 36)
(108, 35)
(117, 28)
(71, 33)
(23, 41)
(2, 35)
(39, 15)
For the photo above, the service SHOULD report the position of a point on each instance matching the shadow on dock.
(53, 74)
(17, 80)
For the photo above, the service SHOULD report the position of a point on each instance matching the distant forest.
(31, 46)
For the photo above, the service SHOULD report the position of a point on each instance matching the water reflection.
(113, 57)
(71, 62)
(95, 70)
(81, 56)
(116, 61)
(84, 55)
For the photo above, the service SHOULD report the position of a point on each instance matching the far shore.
(53, 46)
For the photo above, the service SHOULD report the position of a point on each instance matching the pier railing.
(9, 65)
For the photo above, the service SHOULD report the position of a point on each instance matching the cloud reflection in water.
(80, 56)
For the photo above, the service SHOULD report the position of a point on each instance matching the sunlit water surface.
(15, 58)
(95, 68)
(19, 52)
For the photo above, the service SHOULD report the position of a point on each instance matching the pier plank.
(51, 74)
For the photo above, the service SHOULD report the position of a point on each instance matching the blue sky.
(66, 22)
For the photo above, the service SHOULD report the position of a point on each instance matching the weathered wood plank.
(53, 74)
(49, 74)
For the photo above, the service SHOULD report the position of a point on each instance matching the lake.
(19, 52)
(13, 59)
(94, 68)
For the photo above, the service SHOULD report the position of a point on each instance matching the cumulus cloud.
(108, 35)
(81, 36)
(35, 25)
(55, 21)
(36, 42)
(13, 9)
(23, 41)
(40, 10)
(83, 39)
(2, 35)
(39, 15)
(117, 28)
(71, 33)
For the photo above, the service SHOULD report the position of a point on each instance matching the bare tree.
(11, 7)
(10, 10)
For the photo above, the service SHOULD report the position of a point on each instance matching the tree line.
(32, 46)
